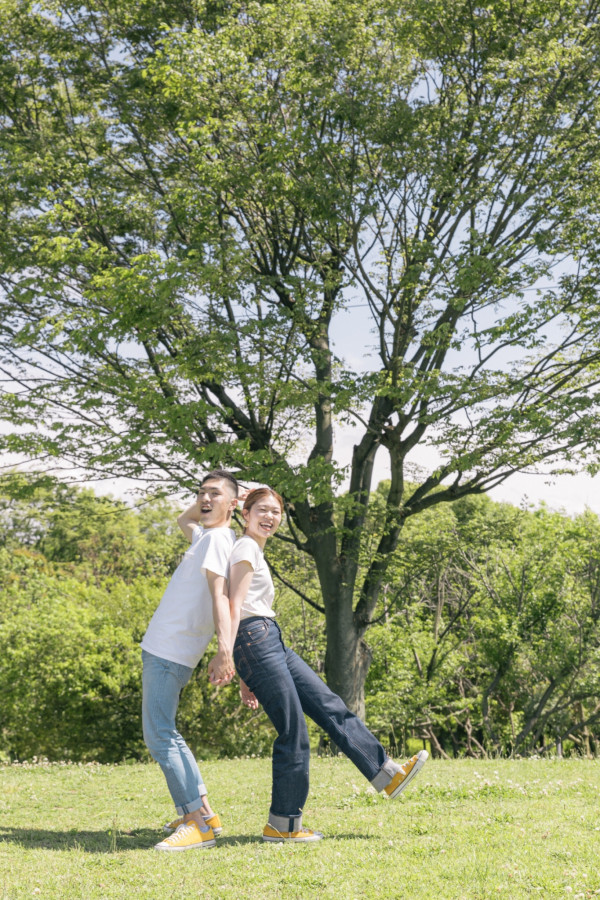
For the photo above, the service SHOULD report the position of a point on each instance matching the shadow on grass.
(95, 841)
(103, 841)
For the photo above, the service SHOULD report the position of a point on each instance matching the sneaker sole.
(423, 757)
(275, 840)
(216, 831)
(202, 845)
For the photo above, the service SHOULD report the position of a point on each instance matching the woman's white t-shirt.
(261, 593)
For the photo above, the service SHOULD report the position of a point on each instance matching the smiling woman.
(272, 674)
(262, 512)
(264, 509)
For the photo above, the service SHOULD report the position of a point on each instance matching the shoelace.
(405, 769)
(181, 832)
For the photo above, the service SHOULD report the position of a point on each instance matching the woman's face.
(262, 519)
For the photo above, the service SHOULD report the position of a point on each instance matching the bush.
(71, 673)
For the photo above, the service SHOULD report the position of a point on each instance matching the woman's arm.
(240, 577)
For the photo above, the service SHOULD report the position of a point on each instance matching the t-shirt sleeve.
(197, 532)
(214, 553)
(245, 551)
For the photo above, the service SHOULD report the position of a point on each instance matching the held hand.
(221, 669)
(248, 698)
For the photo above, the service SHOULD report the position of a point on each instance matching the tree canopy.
(193, 194)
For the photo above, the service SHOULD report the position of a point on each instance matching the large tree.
(193, 194)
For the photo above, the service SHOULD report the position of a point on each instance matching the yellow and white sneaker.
(406, 774)
(213, 822)
(304, 836)
(188, 837)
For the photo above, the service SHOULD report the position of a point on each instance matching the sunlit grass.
(463, 829)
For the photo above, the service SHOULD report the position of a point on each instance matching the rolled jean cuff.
(193, 805)
(385, 775)
(285, 823)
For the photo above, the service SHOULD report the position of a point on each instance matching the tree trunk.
(347, 658)
(585, 732)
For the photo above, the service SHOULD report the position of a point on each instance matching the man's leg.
(260, 660)
(348, 731)
(162, 684)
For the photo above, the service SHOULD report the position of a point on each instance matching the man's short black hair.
(226, 476)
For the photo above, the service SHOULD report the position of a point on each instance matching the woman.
(287, 687)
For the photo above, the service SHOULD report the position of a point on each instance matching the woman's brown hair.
(258, 493)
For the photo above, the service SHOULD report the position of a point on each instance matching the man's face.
(217, 502)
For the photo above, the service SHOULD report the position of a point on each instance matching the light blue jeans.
(162, 684)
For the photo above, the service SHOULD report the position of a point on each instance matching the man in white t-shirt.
(194, 606)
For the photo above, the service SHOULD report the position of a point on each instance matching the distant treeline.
(486, 642)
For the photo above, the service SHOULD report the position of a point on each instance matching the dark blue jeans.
(287, 688)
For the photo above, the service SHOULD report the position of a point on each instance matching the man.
(194, 606)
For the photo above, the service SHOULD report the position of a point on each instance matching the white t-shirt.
(182, 625)
(261, 592)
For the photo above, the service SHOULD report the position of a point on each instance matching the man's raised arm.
(189, 518)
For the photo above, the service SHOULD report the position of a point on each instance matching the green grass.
(463, 829)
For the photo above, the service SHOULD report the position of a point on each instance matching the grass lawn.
(463, 829)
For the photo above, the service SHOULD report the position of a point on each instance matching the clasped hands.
(221, 668)
(221, 671)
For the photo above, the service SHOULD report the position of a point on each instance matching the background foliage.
(487, 638)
